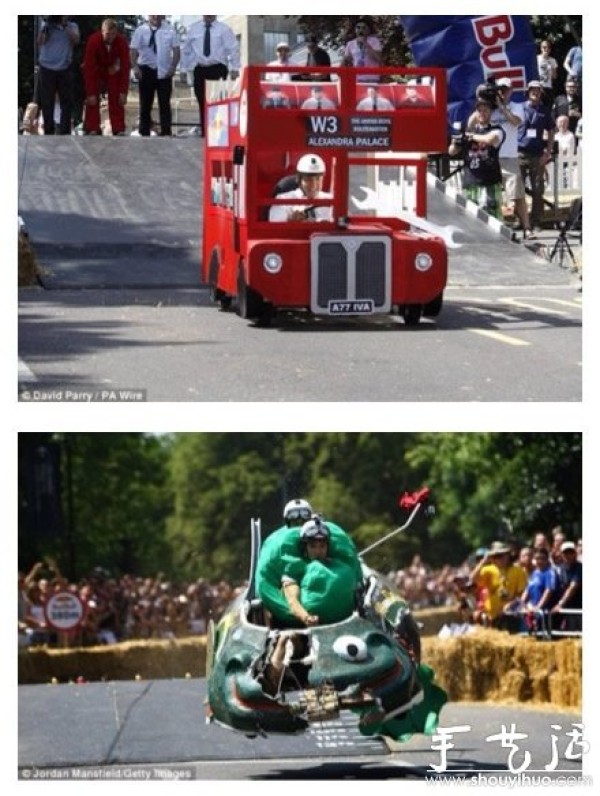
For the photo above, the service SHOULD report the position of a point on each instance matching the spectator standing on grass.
(536, 141)
(155, 53)
(57, 39)
(212, 52)
(106, 68)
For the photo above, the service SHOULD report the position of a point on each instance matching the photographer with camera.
(310, 173)
(57, 39)
(479, 147)
(509, 116)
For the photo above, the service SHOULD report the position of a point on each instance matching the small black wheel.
(251, 306)
(412, 314)
(434, 308)
(216, 295)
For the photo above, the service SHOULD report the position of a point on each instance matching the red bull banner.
(473, 50)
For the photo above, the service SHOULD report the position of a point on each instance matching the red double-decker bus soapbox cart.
(341, 238)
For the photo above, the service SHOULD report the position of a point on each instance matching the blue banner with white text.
(473, 49)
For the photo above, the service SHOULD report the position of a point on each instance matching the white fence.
(564, 179)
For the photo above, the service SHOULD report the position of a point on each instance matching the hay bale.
(149, 660)
(29, 270)
(491, 665)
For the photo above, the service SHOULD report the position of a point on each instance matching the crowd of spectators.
(132, 608)
(120, 609)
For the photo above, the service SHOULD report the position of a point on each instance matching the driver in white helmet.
(297, 512)
(311, 174)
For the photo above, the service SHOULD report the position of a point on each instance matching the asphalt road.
(156, 729)
(121, 314)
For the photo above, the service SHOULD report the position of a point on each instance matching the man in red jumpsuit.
(106, 69)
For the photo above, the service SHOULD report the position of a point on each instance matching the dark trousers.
(533, 172)
(151, 86)
(201, 75)
(53, 84)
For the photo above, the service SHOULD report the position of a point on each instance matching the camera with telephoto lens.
(489, 92)
(459, 135)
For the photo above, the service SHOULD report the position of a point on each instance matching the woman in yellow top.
(502, 581)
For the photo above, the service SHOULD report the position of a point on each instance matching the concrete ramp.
(112, 212)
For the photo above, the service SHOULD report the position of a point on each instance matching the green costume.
(327, 588)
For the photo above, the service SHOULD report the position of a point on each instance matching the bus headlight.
(423, 262)
(273, 263)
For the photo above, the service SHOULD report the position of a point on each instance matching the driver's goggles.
(298, 514)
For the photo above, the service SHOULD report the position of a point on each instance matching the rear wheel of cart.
(251, 306)
(412, 314)
(217, 296)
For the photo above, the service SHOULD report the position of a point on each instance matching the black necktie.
(207, 40)
(152, 44)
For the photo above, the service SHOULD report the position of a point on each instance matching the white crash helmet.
(311, 164)
(315, 528)
(297, 509)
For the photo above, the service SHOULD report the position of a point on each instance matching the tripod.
(562, 247)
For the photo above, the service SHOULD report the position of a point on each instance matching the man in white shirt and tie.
(317, 100)
(211, 50)
(155, 51)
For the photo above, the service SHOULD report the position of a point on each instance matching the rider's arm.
(291, 591)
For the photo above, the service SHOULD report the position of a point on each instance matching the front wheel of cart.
(251, 306)
(434, 308)
(412, 314)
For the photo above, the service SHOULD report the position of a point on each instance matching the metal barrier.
(541, 623)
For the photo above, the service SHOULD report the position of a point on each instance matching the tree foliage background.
(181, 504)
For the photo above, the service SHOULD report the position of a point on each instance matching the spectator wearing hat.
(536, 141)
(480, 151)
(283, 59)
(503, 581)
(509, 116)
(570, 576)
